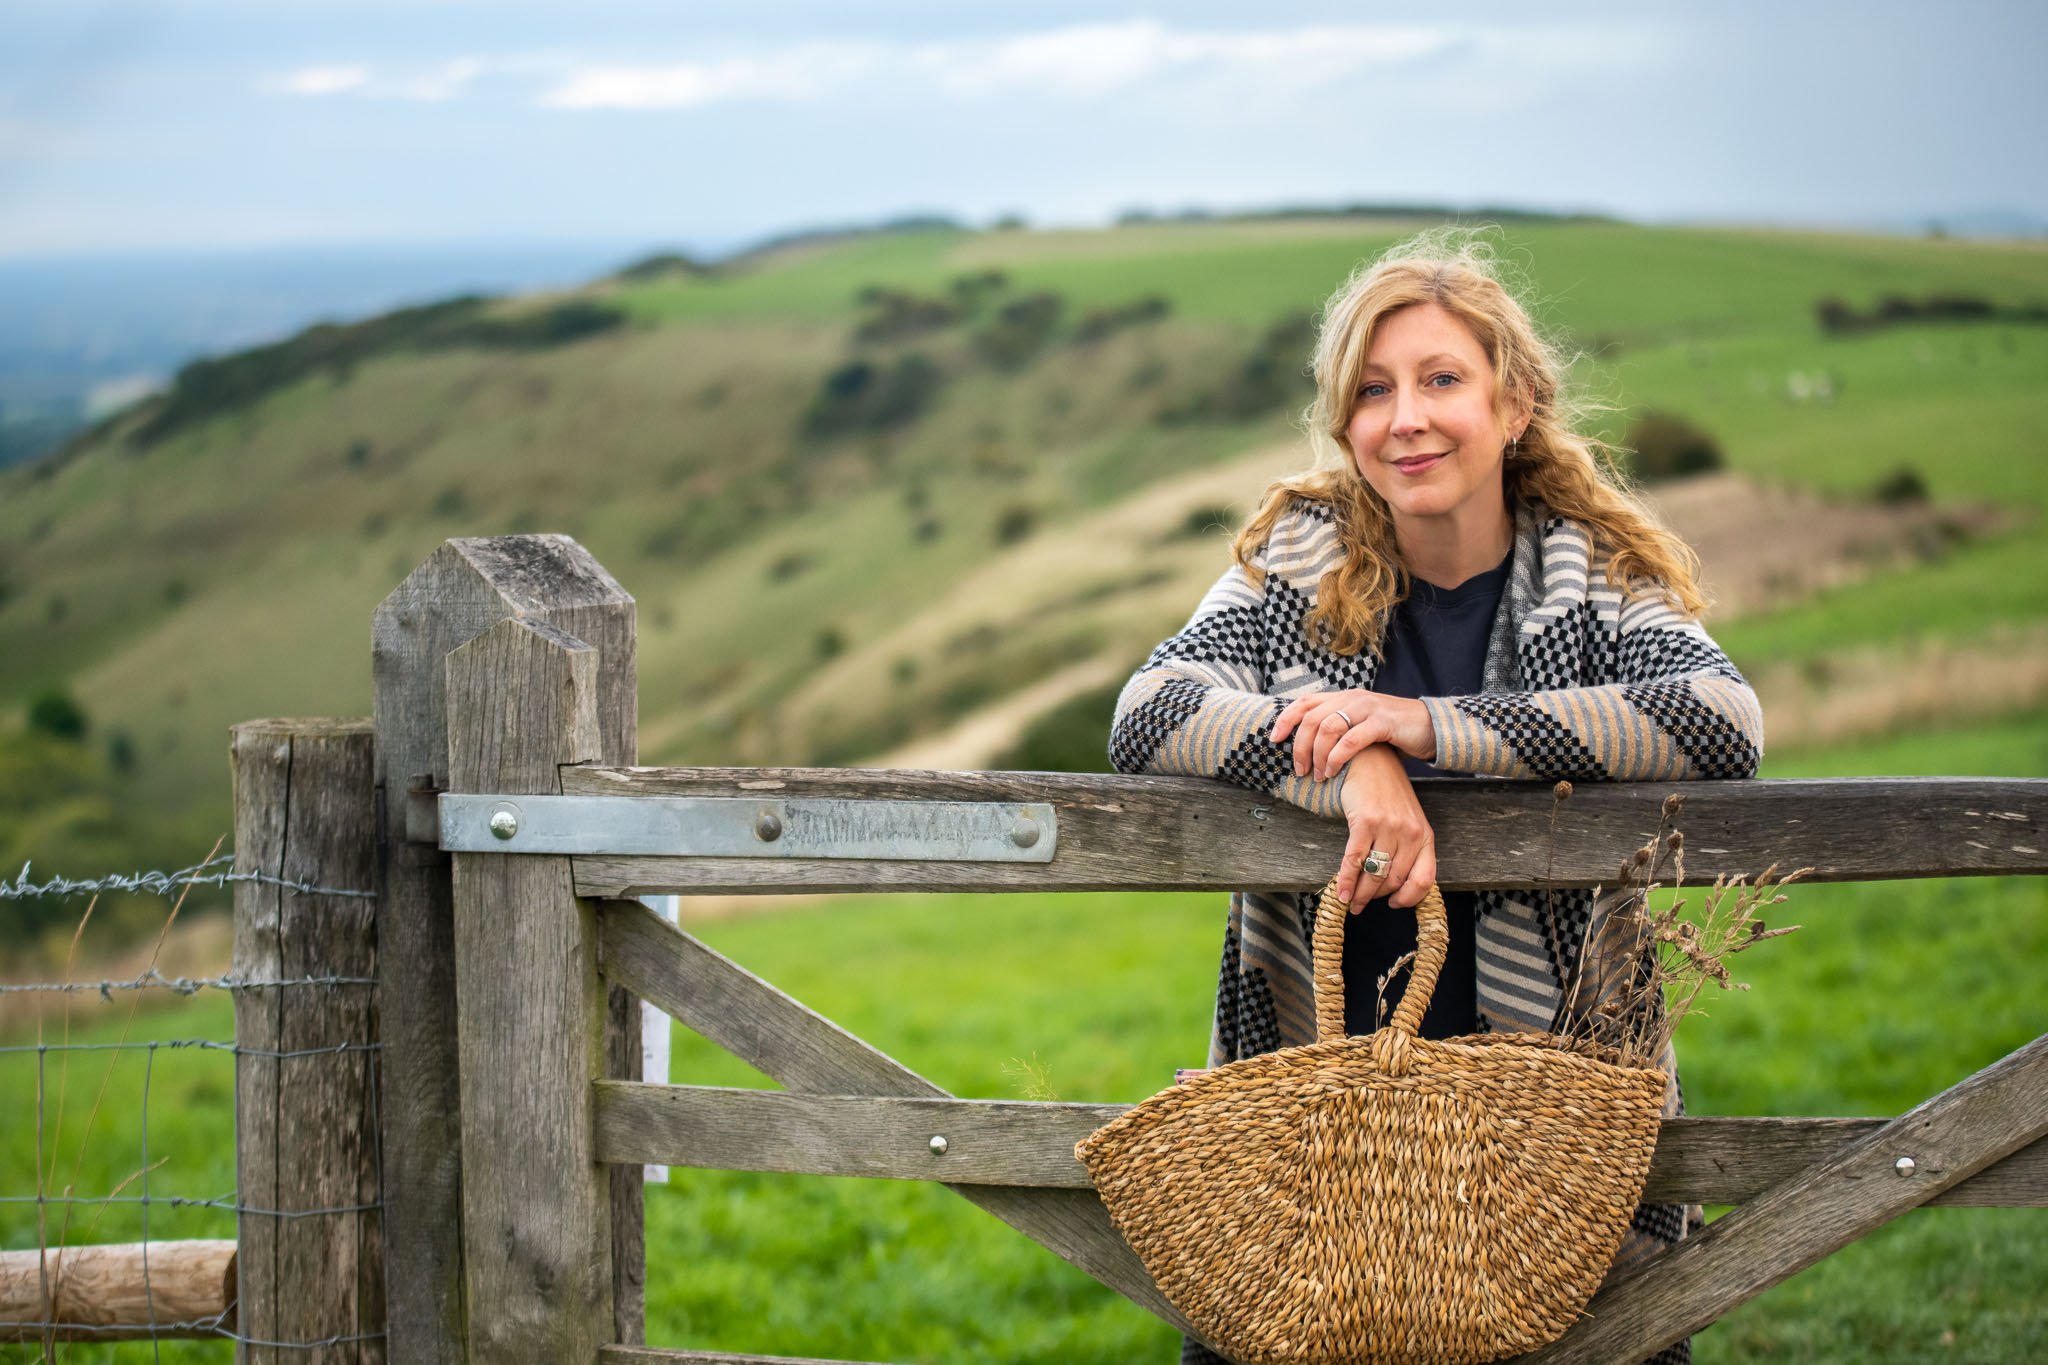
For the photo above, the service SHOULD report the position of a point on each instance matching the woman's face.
(1425, 431)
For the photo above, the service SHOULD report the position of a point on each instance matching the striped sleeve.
(1679, 709)
(1199, 708)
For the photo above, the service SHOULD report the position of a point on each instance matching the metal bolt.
(504, 823)
(1905, 1165)
(767, 827)
(1025, 832)
(938, 1145)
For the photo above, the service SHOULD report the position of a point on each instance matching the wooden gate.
(514, 1130)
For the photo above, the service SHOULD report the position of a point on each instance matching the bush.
(1903, 487)
(1273, 374)
(861, 396)
(1098, 323)
(1072, 737)
(211, 387)
(894, 314)
(1019, 330)
(54, 713)
(1016, 522)
(1663, 446)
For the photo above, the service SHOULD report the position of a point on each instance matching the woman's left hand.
(1330, 728)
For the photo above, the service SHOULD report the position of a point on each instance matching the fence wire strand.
(214, 871)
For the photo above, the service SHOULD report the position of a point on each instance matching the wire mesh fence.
(120, 1203)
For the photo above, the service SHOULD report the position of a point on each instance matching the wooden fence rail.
(514, 1122)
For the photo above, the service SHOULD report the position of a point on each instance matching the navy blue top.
(1435, 646)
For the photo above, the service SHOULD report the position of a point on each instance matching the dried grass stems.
(1641, 970)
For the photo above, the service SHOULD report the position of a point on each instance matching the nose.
(1408, 415)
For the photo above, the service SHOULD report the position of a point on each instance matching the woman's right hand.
(1382, 813)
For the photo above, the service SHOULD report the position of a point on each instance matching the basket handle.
(1432, 943)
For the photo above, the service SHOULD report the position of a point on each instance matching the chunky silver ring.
(1376, 863)
(1348, 722)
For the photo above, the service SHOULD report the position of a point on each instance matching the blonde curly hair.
(1551, 464)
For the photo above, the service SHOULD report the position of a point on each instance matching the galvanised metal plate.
(750, 827)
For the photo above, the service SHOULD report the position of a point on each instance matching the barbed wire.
(211, 1326)
(203, 1044)
(212, 872)
(226, 1203)
(181, 985)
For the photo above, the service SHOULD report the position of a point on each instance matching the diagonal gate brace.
(1902, 1165)
(807, 1052)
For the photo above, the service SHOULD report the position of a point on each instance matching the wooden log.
(806, 1051)
(1178, 833)
(461, 590)
(125, 1292)
(1030, 1143)
(1947, 1139)
(306, 1126)
(530, 1013)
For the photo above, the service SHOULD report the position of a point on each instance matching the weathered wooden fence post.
(462, 590)
(530, 1012)
(306, 1126)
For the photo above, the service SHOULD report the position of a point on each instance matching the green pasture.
(1888, 993)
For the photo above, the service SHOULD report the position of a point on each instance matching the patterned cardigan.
(1582, 681)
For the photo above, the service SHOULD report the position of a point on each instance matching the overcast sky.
(140, 125)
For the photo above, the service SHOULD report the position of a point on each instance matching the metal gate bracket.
(750, 827)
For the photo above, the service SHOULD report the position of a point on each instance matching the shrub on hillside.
(210, 387)
(1903, 487)
(863, 396)
(896, 314)
(54, 713)
(1016, 522)
(660, 266)
(1098, 323)
(1019, 330)
(1664, 446)
(1072, 737)
(1273, 374)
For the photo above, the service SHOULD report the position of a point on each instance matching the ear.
(1518, 407)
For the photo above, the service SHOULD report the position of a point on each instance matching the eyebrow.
(1440, 358)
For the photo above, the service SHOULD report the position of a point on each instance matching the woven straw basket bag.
(1382, 1198)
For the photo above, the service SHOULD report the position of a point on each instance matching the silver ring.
(1348, 722)
(1376, 863)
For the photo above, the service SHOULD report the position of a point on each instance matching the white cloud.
(1079, 62)
(320, 80)
(807, 72)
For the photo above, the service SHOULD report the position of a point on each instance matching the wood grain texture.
(125, 1291)
(1177, 833)
(531, 1014)
(1029, 1143)
(1832, 1203)
(306, 1126)
(807, 1052)
(461, 590)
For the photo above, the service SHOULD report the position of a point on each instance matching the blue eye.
(1373, 390)
(1443, 380)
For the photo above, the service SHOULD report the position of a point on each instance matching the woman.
(1459, 585)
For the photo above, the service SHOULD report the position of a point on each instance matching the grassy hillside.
(843, 544)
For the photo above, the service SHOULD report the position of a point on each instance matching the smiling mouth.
(1415, 464)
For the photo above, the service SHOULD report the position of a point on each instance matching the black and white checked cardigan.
(1582, 681)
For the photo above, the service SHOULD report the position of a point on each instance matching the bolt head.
(767, 827)
(504, 823)
(938, 1144)
(1905, 1165)
(1025, 832)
